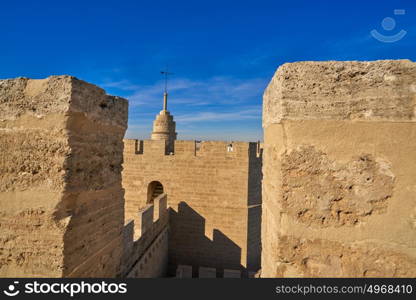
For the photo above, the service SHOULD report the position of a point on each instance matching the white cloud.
(200, 107)
(212, 91)
(207, 116)
(123, 85)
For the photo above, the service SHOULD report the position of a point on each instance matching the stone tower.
(164, 127)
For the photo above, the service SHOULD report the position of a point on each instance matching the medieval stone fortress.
(329, 193)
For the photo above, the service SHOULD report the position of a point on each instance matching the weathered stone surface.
(61, 200)
(380, 90)
(35, 158)
(31, 243)
(325, 192)
(37, 98)
(338, 188)
(412, 220)
(323, 258)
(59, 94)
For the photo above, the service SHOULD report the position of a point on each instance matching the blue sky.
(223, 53)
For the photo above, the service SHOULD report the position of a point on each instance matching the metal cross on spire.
(166, 73)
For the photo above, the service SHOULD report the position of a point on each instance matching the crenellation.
(185, 148)
(144, 221)
(154, 148)
(131, 146)
(193, 148)
(149, 215)
(145, 236)
(160, 208)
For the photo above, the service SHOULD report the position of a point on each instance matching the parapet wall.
(339, 177)
(145, 242)
(61, 200)
(193, 148)
(211, 186)
(184, 271)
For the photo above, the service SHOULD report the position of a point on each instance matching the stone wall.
(145, 245)
(339, 170)
(214, 196)
(61, 200)
(154, 261)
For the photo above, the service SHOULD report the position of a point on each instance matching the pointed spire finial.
(165, 101)
(166, 73)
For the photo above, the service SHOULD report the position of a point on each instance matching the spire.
(164, 127)
(165, 101)
(166, 73)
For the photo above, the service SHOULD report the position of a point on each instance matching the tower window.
(154, 189)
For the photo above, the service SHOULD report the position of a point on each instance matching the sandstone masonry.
(339, 178)
(61, 200)
(334, 193)
(214, 195)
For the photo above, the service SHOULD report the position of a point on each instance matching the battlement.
(186, 271)
(143, 237)
(149, 215)
(193, 148)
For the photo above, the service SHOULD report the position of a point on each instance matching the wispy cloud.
(246, 114)
(201, 108)
(212, 91)
(123, 85)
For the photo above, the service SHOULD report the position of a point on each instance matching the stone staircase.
(157, 191)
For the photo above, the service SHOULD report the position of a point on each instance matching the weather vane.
(166, 73)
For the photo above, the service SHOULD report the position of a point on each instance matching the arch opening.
(154, 189)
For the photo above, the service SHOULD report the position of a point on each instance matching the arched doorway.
(154, 189)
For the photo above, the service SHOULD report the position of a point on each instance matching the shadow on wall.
(93, 241)
(193, 248)
(255, 177)
(154, 189)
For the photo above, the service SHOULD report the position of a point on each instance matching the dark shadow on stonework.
(154, 189)
(188, 244)
(255, 177)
